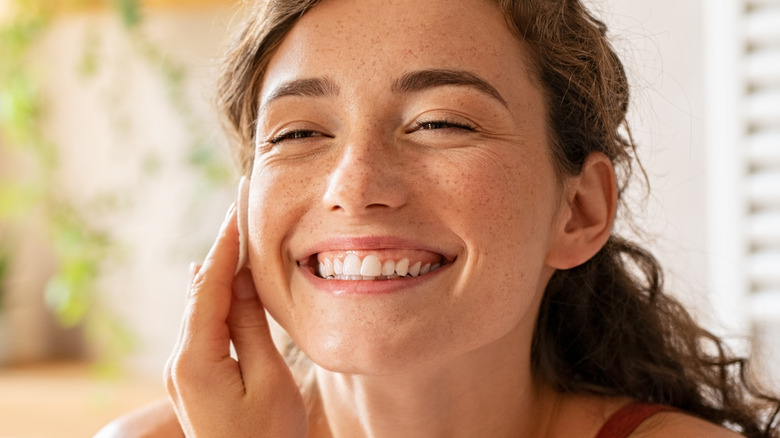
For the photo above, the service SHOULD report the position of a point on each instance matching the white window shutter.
(762, 141)
(743, 141)
(743, 92)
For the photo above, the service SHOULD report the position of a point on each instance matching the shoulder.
(679, 424)
(587, 415)
(151, 421)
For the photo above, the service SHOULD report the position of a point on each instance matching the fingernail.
(230, 211)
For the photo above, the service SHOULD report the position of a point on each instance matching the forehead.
(377, 39)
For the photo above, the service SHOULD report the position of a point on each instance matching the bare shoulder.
(677, 424)
(151, 421)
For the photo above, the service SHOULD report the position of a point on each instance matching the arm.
(155, 420)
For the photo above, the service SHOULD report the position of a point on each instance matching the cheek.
(502, 210)
(277, 200)
(279, 195)
(502, 201)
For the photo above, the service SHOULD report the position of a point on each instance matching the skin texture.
(368, 172)
(351, 157)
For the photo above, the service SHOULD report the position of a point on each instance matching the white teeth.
(388, 268)
(371, 266)
(326, 268)
(402, 267)
(338, 267)
(351, 265)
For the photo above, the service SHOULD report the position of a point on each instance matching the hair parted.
(605, 327)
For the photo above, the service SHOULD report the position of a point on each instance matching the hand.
(213, 394)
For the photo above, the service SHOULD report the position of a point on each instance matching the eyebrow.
(425, 79)
(307, 87)
(408, 83)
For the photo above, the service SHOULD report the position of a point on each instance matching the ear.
(242, 213)
(587, 214)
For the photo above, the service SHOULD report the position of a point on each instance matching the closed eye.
(442, 124)
(297, 134)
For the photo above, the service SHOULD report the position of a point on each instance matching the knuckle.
(178, 371)
(208, 278)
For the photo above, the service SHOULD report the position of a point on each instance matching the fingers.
(205, 329)
(204, 337)
(193, 270)
(214, 395)
(201, 358)
(249, 329)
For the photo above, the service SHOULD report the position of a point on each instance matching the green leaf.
(129, 12)
(17, 200)
(5, 262)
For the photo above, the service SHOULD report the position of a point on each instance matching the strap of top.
(628, 418)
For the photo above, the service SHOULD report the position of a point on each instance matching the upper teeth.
(371, 268)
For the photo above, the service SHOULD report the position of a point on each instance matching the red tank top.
(628, 418)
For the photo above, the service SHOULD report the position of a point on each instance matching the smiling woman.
(429, 208)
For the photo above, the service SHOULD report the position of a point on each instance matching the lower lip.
(369, 287)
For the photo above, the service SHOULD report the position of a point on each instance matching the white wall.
(661, 43)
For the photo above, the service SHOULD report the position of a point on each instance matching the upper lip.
(369, 243)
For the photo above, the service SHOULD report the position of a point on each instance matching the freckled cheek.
(493, 203)
(278, 200)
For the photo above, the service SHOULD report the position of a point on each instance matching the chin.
(365, 355)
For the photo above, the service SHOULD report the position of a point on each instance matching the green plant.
(80, 248)
(4, 265)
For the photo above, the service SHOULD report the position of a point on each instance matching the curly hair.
(605, 327)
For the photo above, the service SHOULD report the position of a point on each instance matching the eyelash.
(442, 124)
(300, 134)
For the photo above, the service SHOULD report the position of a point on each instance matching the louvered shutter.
(762, 141)
(743, 98)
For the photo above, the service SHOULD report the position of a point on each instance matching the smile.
(353, 266)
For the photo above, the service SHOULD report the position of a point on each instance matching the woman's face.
(395, 135)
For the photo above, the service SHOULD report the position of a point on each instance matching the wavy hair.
(605, 327)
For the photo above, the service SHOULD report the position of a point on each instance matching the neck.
(485, 392)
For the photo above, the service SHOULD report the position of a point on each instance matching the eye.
(296, 134)
(442, 124)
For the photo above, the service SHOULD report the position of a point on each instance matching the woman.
(429, 205)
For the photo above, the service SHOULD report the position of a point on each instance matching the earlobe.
(242, 213)
(587, 216)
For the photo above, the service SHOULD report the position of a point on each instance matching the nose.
(366, 177)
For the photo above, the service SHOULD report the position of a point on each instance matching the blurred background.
(114, 176)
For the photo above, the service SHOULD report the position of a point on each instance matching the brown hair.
(605, 327)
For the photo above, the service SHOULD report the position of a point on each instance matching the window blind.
(761, 142)
(742, 77)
